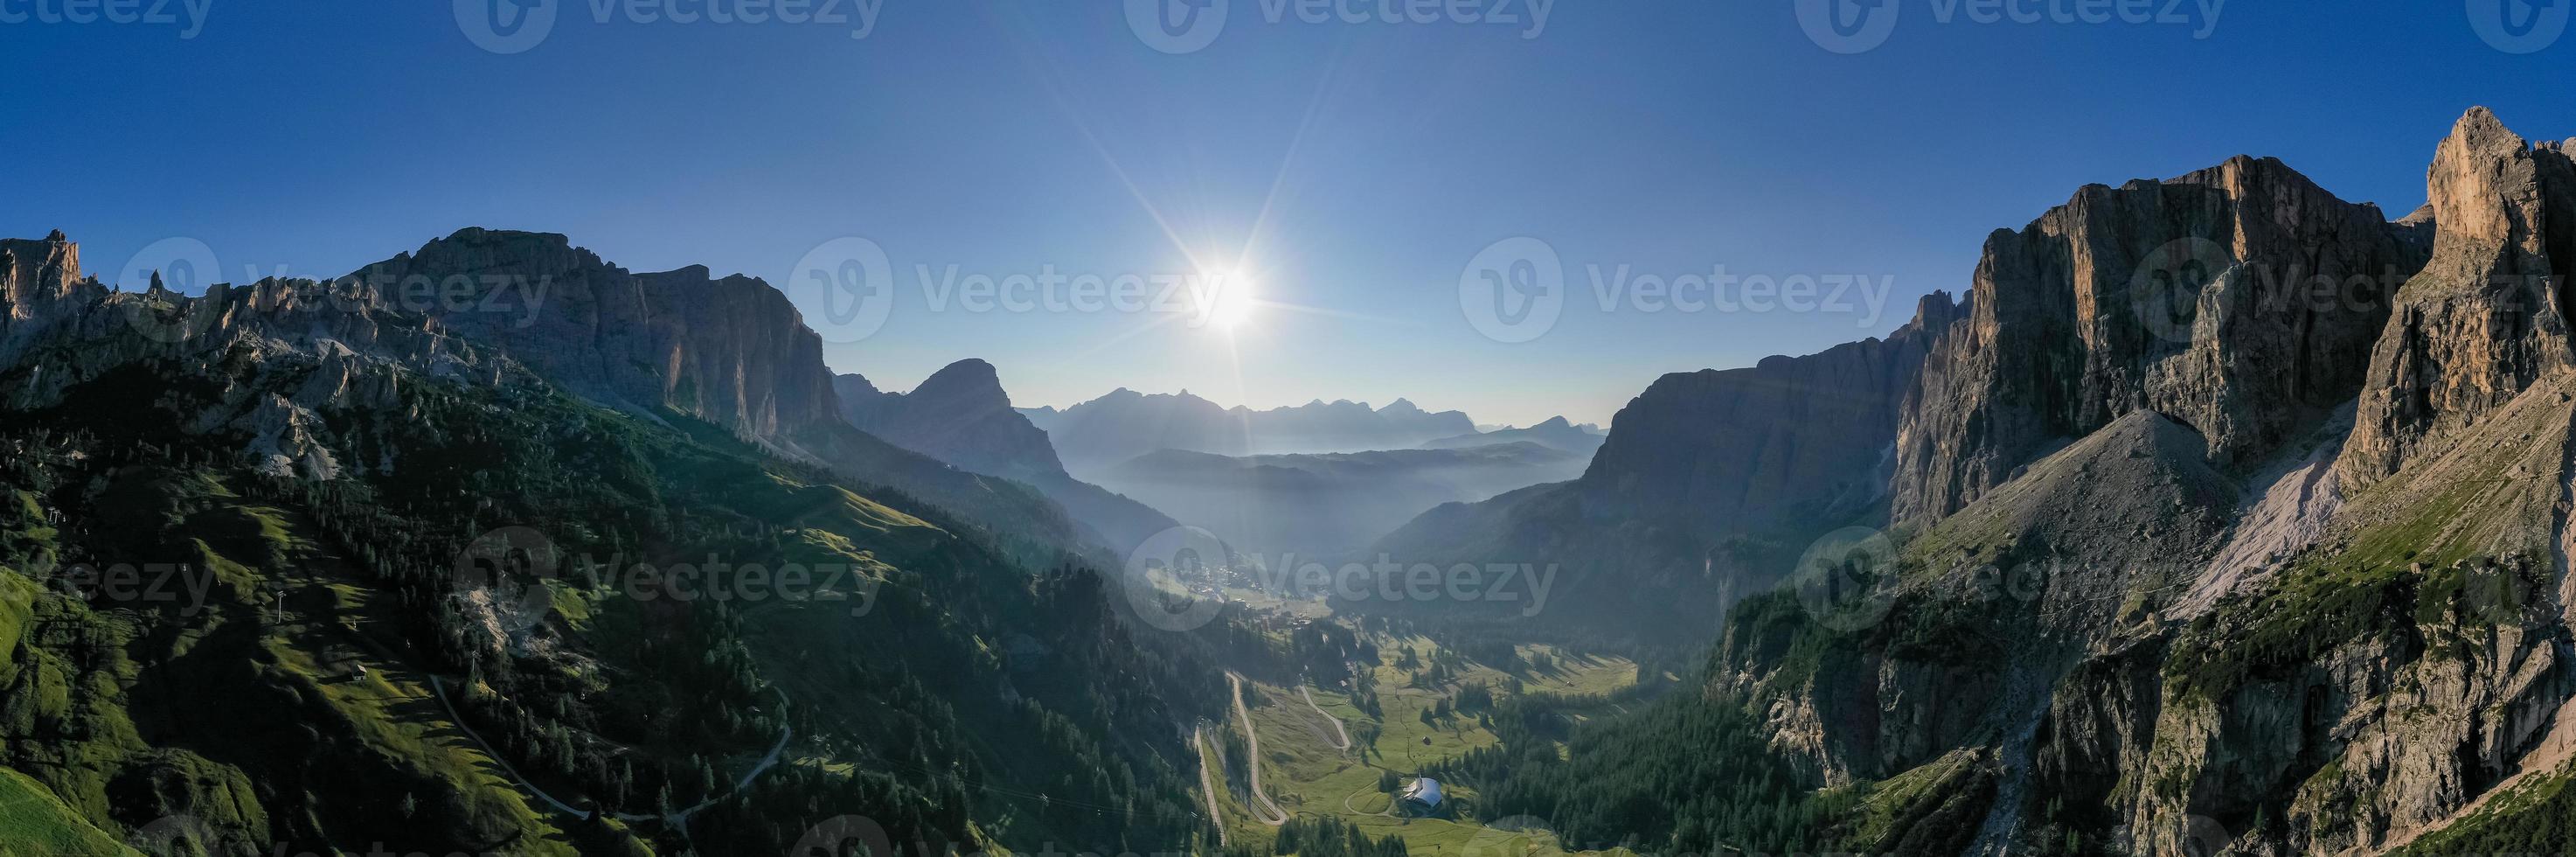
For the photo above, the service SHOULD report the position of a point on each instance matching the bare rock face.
(1731, 450)
(959, 415)
(33, 273)
(1704, 479)
(2488, 316)
(2241, 300)
(732, 351)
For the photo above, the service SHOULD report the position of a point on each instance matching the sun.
(1231, 305)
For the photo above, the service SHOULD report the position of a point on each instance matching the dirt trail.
(1252, 751)
(1341, 737)
(1207, 785)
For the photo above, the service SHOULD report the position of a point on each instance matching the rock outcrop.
(1734, 450)
(2488, 315)
(2240, 299)
(1709, 483)
(731, 351)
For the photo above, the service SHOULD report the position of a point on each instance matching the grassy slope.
(33, 821)
(1308, 776)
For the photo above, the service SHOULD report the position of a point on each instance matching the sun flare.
(1231, 301)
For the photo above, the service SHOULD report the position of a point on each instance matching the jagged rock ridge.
(2240, 299)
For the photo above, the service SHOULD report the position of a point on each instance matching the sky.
(1391, 184)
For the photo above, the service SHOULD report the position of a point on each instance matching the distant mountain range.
(1328, 506)
(1557, 434)
(1125, 424)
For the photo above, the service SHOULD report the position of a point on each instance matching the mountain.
(1125, 424)
(2197, 296)
(961, 415)
(1327, 506)
(730, 351)
(1703, 482)
(425, 578)
(1557, 434)
(2194, 595)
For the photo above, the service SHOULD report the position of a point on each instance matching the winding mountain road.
(1341, 737)
(1252, 751)
(1207, 786)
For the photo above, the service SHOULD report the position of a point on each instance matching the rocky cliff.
(962, 416)
(2241, 299)
(2488, 316)
(1706, 480)
(731, 351)
(2221, 622)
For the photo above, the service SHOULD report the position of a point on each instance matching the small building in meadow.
(1424, 791)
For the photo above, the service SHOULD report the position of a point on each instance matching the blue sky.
(1351, 170)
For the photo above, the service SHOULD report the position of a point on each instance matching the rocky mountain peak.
(969, 378)
(732, 351)
(959, 415)
(2198, 296)
(2487, 316)
(33, 273)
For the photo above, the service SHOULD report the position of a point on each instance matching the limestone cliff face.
(2488, 315)
(2394, 664)
(1733, 450)
(731, 351)
(2239, 299)
(1707, 487)
(34, 273)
